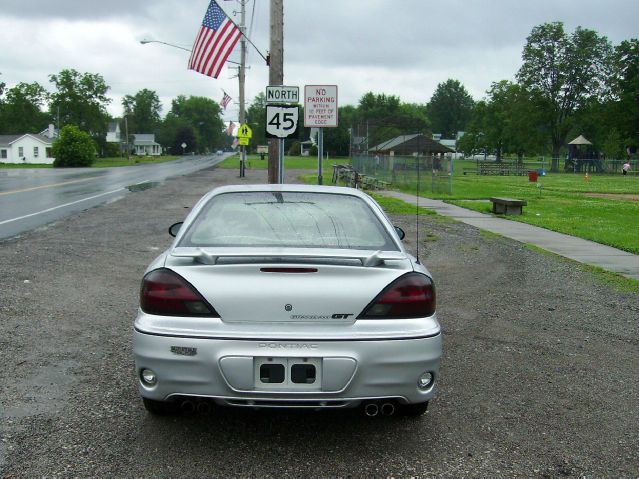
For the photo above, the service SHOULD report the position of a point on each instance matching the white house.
(144, 144)
(113, 134)
(27, 148)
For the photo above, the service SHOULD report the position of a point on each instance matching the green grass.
(14, 166)
(394, 206)
(100, 162)
(562, 202)
(290, 162)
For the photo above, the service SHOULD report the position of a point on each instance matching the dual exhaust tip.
(372, 409)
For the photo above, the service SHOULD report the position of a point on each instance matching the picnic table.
(508, 206)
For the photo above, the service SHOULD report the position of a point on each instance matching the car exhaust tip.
(388, 409)
(203, 407)
(187, 407)
(371, 409)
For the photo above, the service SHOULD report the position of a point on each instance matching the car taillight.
(166, 293)
(410, 296)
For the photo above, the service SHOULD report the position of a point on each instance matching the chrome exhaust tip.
(388, 409)
(371, 409)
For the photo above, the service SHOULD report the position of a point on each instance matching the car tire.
(160, 408)
(412, 410)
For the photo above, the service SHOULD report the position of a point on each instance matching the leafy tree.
(74, 147)
(383, 117)
(142, 111)
(450, 108)
(21, 111)
(562, 72)
(80, 99)
(505, 122)
(256, 119)
(337, 140)
(626, 91)
(202, 116)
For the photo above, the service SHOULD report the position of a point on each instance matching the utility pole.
(242, 78)
(276, 77)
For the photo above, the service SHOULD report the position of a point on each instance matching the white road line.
(61, 206)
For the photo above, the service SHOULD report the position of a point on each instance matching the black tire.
(160, 408)
(412, 410)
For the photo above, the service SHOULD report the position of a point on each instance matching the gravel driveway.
(540, 375)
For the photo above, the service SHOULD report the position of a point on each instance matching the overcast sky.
(400, 47)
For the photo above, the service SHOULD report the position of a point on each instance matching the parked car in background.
(287, 296)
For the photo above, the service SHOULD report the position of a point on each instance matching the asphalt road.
(539, 375)
(30, 198)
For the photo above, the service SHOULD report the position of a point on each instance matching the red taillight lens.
(411, 296)
(166, 293)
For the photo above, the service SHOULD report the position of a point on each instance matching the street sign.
(320, 106)
(281, 121)
(245, 132)
(244, 141)
(282, 94)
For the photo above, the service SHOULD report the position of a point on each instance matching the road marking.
(70, 182)
(60, 206)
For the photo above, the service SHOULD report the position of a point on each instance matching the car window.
(289, 219)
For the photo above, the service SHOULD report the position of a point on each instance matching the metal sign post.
(320, 111)
(282, 114)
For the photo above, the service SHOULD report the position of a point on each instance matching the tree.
(74, 147)
(382, 117)
(202, 116)
(562, 72)
(450, 108)
(21, 111)
(256, 119)
(626, 91)
(505, 122)
(80, 99)
(142, 111)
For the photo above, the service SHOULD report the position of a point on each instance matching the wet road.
(30, 198)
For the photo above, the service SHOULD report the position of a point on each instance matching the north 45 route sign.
(281, 121)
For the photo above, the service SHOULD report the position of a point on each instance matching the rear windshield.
(289, 219)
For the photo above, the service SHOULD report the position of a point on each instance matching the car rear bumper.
(339, 373)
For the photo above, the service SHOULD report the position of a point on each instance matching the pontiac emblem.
(288, 307)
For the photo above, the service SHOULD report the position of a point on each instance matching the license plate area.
(290, 374)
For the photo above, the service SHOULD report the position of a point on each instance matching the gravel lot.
(539, 378)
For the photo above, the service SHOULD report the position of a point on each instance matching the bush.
(313, 150)
(74, 148)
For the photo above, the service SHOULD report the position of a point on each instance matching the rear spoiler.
(211, 255)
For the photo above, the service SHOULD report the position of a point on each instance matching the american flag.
(229, 130)
(225, 100)
(214, 43)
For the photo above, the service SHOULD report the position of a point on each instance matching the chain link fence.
(432, 173)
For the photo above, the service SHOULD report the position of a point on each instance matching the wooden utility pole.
(242, 79)
(276, 77)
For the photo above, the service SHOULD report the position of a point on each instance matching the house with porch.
(144, 144)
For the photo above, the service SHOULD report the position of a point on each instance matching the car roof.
(288, 188)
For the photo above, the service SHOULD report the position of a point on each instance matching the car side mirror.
(174, 228)
(400, 232)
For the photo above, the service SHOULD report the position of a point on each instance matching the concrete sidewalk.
(581, 250)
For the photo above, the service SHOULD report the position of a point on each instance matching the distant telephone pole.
(275, 77)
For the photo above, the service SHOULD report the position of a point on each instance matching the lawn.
(290, 163)
(601, 208)
(100, 162)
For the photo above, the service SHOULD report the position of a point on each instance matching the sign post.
(244, 135)
(282, 118)
(320, 111)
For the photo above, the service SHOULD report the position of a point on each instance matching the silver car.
(287, 296)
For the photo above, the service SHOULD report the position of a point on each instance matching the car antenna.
(417, 212)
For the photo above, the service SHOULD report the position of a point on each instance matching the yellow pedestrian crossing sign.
(245, 132)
